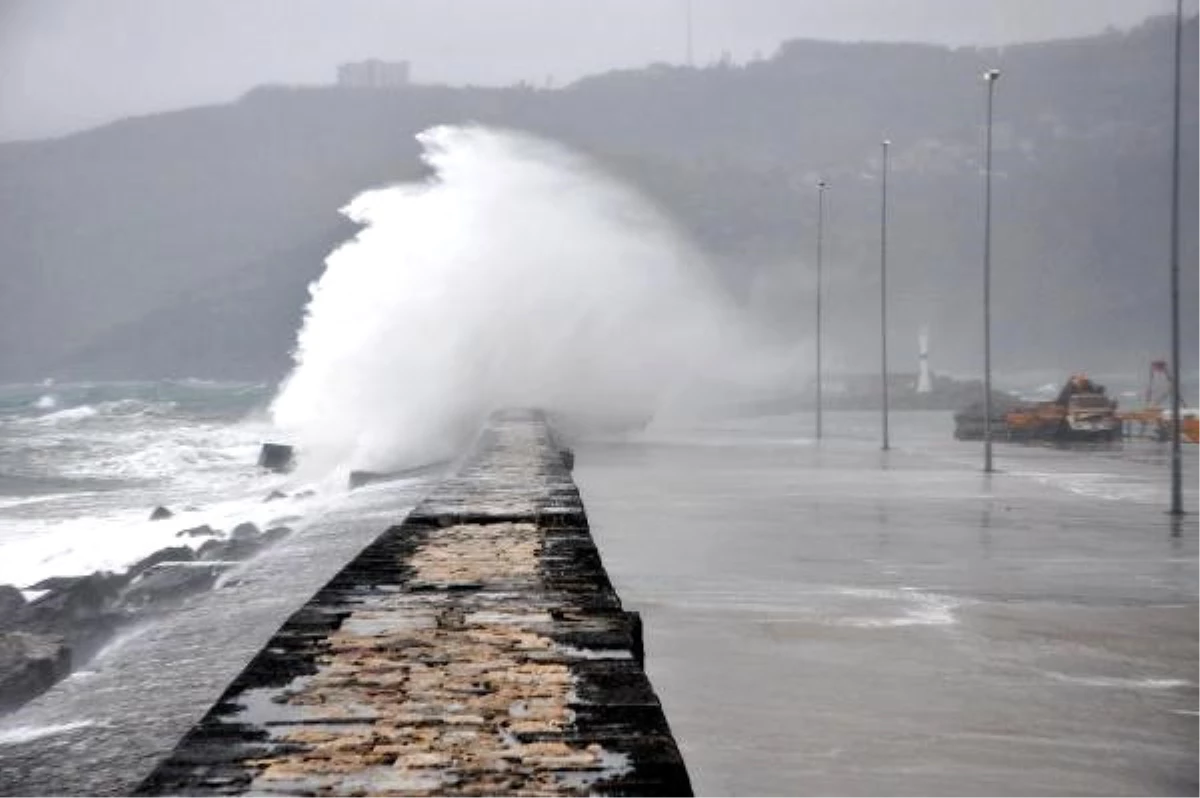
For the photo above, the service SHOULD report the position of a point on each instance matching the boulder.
(72, 601)
(81, 610)
(276, 457)
(29, 665)
(276, 533)
(241, 548)
(172, 554)
(169, 583)
(11, 603)
(243, 531)
(55, 583)
(160, 513)
(244, 542)
(196, 532)
(360, 478)
(275, 495)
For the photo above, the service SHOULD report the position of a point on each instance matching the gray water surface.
(835, 620)
(820, 619)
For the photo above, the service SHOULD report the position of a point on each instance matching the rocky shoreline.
(70, 618)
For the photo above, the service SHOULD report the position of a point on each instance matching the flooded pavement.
(831, 619)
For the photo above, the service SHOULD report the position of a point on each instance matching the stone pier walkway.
(476, 649)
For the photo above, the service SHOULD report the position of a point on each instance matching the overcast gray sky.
(70, 64)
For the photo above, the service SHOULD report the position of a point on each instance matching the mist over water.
(517, 274)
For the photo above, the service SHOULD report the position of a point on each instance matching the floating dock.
(478, 648)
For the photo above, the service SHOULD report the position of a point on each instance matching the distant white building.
(373, 74)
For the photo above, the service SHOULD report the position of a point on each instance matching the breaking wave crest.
(517, 274)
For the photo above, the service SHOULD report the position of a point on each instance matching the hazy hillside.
(181, 244)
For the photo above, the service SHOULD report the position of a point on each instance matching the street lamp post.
(687, 13)
(822, 185)
(991, 76)
(1176, 475)
(883, 290)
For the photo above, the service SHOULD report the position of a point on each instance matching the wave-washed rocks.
(72, 617)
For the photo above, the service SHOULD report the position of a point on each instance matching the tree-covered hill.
(181, 243)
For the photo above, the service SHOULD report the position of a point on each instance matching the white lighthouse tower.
(924, 383)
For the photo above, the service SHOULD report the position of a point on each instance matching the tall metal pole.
(991, 76)
(1176, 475)
(883, 291)
(821, 186)
(688, 24)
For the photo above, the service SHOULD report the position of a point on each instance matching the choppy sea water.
(81, 468)
(820, 619)
(83, 465)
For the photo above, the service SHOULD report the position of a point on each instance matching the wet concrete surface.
(834, 620)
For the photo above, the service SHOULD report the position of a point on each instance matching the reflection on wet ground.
(833, 619)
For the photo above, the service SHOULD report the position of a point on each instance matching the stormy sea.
(83, 467)
(85, 464)
(820, 616)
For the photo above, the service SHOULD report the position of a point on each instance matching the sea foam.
(517, 274)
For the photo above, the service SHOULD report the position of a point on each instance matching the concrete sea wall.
(478, 648)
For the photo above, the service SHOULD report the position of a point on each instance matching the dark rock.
(172, 554)
(11, 603)
(196, 532)
(276, 457)
(169, 582)
(233, 549)
(55, 583)
(243, 549)
(276, 533)
(81, 610)
(275, 495)
(29, 665)
(244, 530)
(160, 513)
(242, 544)
(210, 550)
(307, 493)
(66, 606)
(360, 478)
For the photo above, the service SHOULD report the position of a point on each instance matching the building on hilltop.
(373, 74)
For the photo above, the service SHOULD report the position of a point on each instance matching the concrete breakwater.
(478, 648)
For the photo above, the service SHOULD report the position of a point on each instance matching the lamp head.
(991, 75)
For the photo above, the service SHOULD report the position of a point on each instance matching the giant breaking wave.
(517, 274)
